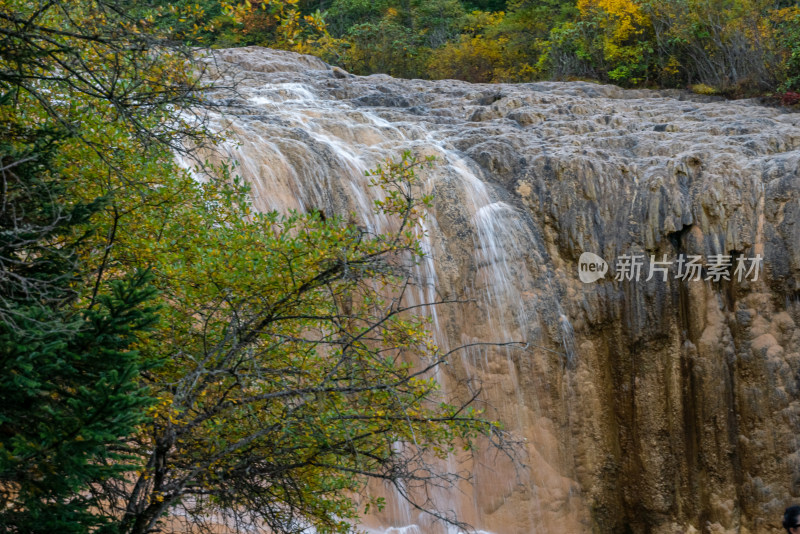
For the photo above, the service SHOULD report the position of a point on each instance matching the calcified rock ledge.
(659, 407)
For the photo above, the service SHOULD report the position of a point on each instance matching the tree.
(69, 390)
(68, 379)
(83, 99)
(294, 367)
(787, 21)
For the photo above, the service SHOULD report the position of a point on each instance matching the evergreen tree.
(69, 391)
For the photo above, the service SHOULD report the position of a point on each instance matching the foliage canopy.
(737, 47)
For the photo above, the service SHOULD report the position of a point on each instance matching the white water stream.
(300, 151)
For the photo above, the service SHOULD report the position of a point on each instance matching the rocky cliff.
(662, 405)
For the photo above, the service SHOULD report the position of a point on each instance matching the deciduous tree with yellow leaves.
(294, 367)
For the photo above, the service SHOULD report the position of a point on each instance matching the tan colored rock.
(648, 407)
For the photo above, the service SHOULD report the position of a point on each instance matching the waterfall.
(526, 178)
(303, 151)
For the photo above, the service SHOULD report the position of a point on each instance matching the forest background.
(731, 47)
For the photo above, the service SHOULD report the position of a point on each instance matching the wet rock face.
(649, 406)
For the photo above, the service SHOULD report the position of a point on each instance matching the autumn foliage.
(736, 47)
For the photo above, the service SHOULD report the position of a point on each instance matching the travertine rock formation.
(658, 406)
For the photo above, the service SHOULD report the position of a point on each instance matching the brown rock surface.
(653, 406)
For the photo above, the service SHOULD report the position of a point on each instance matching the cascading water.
(527, 177)
(329, 138)
(312, 153)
